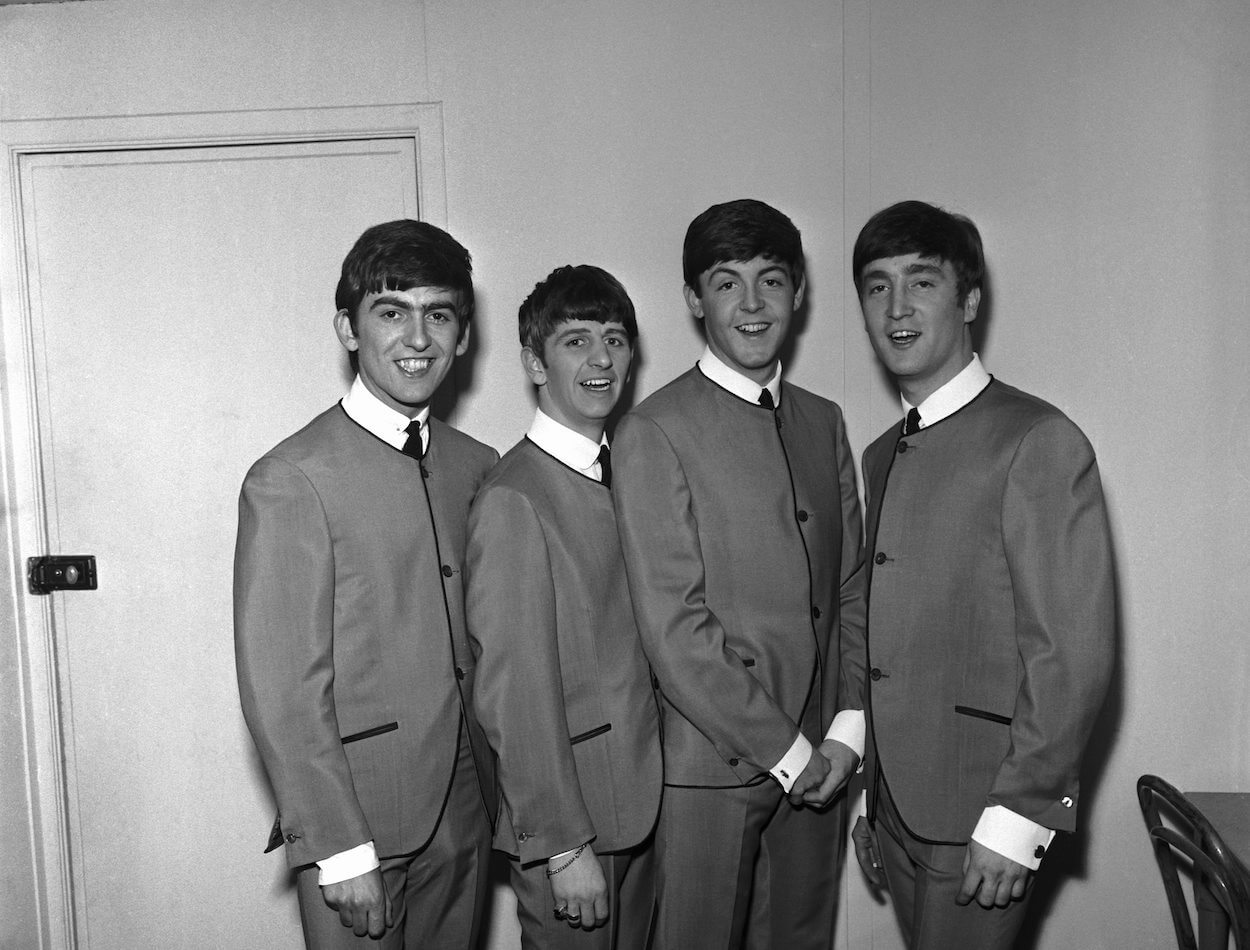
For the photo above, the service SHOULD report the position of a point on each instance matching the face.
(406, 341)
(916, 322)
(746, 308)
(586, 366)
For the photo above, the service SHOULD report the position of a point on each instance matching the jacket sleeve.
(682, 637)
(1059, 557)
(284, 649)
(853, 585)
(518, 692)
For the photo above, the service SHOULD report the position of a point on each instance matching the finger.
(360, 923)
(1019, 887)
(1002, 896)
(390, 911)
(601, 910)
(345, 916)
(377, 922)
(968, 889)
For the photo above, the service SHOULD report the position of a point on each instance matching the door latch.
(61, 572)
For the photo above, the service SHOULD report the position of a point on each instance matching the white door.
(180, 307)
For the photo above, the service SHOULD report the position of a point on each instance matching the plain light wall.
(1102, 151)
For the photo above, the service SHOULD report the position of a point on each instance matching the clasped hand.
(827, 770)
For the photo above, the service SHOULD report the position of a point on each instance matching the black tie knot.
(605, 465)
(912, 425)
(413, 447)
(766, 399)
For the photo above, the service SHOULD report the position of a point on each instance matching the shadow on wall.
(1068, 857)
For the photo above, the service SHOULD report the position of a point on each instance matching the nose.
(416, 334)
(752, 302)
(599, 355)
(898, 305)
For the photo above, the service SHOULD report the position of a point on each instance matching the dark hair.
(915, 227)
(400, 255)
(581, 292)
(740, 230)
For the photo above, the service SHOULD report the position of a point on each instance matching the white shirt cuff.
(849, 728)
(348, 864)
(1013, 836)
(792, 763)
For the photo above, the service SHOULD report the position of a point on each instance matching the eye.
(725, 285)
(615, 341)
(574, 341)
(438, 317)
(392, 314)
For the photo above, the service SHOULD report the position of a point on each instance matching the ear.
(798, 294)
(971, 303)
(343, 329)
(462, 345)
(693, 301)
(533, 367)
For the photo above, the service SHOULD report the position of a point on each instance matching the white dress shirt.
(566, 446)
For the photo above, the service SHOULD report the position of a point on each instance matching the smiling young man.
(736, 502)
(563, 688)
(354, 666)
(992, 612)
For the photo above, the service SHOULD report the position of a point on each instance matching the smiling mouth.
(415, 365)
(753, 328)
(903, 336)
(600, 384)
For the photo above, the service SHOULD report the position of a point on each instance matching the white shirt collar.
(715, 369)
(954, 395)
(388, 424)
(572, 448)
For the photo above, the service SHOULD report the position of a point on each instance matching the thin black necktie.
(766, 399)
(412, 447)
(605, 465)
(912, 425)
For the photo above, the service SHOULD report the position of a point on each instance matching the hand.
(867, 854)
(995, 881)
(580, 891)
(812, 775)
(362, 903)
(842, 763)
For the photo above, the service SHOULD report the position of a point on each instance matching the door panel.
(181, 302)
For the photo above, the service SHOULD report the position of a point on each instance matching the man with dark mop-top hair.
(991, 607)
(563, 689)
(736, 501)
(354, 665)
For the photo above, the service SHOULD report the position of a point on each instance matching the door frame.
(29, 651)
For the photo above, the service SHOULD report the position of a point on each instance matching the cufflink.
(1039, 853)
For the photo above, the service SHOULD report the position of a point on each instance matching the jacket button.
(447, 571)
(523, 836)
(901, 447)
(655, 681)
(876, 674)
(802, 515)
(459, 673)
(815, 611)
(291, 837)
(733, 762)
(880, 558)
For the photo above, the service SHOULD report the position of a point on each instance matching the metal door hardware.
(61, 572)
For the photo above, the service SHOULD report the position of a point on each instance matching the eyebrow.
(403, 303)
(918, 267)
(734, 272)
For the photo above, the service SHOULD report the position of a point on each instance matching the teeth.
(753, 327)
(901, 335)
(596, 383)
(415, 365)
